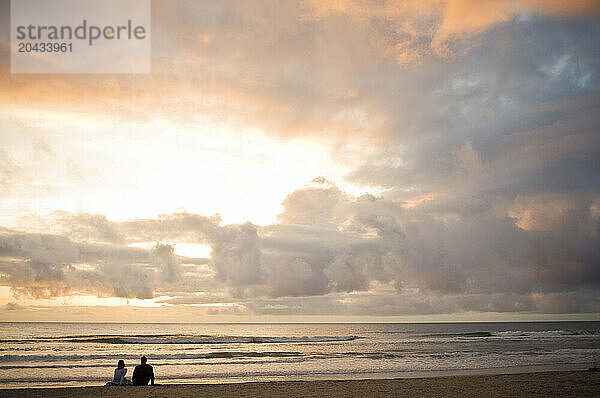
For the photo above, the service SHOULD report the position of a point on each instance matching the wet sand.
(542, 384)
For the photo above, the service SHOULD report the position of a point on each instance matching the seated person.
(142, 374)
(119, 377)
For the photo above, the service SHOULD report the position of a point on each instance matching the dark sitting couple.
(142, 375)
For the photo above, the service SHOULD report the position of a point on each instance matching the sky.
(348, 160)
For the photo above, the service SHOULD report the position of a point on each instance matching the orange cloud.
(448, 19)
(467, 16)
(549, 212)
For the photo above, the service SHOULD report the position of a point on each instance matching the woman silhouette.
(119, 377)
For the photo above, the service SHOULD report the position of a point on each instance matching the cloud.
(525, 129)
(476, 123)
(12, 307)
(90, 227)
(48, 265)
(9, 170)
(326, 69)
(435, 257)
(419, 26)
(312, 205)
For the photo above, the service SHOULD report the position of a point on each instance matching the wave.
(90, 360)
(183, 356)
(184, 339)
(463, 334)
(179, 362)
(516, 334)
(546, 333)
(103, 360)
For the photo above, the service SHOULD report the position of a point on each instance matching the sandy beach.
(543, 384)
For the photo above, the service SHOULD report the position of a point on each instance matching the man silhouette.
(142, 374)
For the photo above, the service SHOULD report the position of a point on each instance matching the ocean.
(79, 354)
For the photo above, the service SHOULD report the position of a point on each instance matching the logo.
(80, 36)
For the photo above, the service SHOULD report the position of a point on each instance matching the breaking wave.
(516, 334)
(185, 339)
(466, 334)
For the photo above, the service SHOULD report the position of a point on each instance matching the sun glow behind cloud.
(142, 169)
(86, 300)
(192, 250)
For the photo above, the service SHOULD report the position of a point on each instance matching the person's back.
(142, 374)
(119, 377)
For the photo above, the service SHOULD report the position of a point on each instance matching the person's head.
(121, 364)
(144, 360)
